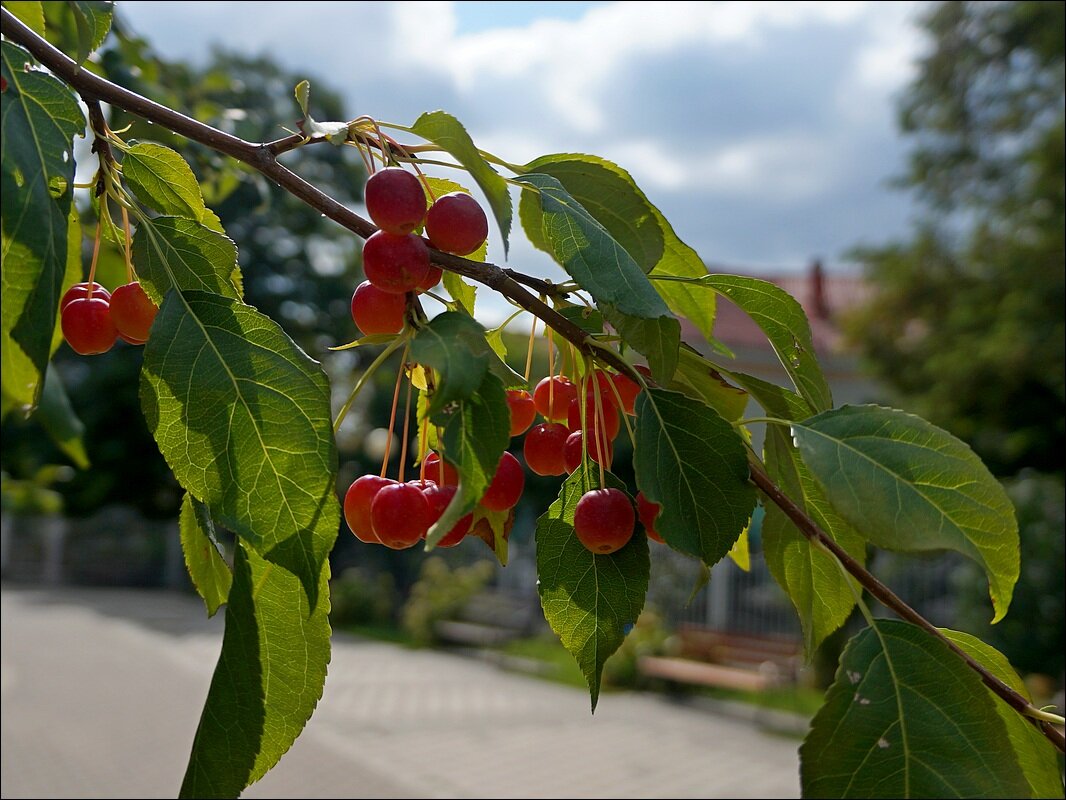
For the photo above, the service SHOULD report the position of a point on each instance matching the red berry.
(455, 223)
(79, 290)
(432, 279)
(552, 397)
(132, 312)
(395, 200)
(441, 472)
(647, 511)
(611, 421)
(507, 484)
(357, 506)
(544, 448)
(628, 389)
(523, 412)
(394, 263)
(400, 515)
(604, 520)
(572, 451)
(376, 311)
(438, 498)
(87, 325)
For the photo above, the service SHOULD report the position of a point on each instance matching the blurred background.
(897, 167)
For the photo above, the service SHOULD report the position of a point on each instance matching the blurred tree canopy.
(968, 321)
(298, 267)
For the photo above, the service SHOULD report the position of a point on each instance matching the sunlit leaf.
(209, 572)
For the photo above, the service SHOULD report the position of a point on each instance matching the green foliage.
(360, 597)
(39, 118)
(92, 20)
(906, 718)
(590, 600)
(241, 414)
(179, 252)
(163, 180)
(440, 593)
(691, 461)
(268, 680)
(57, 417)
(968, 323)
(208, 569)
(454, 345)
(907, 485)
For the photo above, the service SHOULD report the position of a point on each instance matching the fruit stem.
(529, 350)
(392, 415)
(599, 428)
(623, 414)
(92, 264)
(423, 448)
(406, 428)
(367, 374)
(129, 245)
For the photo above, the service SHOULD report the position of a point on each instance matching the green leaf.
(476, 432)
(463, 293)
(586, 250)
(268, 680)
(810, 576)
(178, 252)
(39, 118)
(590, 320)
(336, 133)
(632, 220)
(72, 273)
(782, 319)
(446, 131)
(57, 417)
(242, 416)
(588, 599)
(907, 485)
(698, 378)
(611, 196)
(1036, 755)
(203, 559)
(906, 717)
(30, 13)
(454, 345)
(658, 339)
(163, 180)
(694, 464)
(93, 20)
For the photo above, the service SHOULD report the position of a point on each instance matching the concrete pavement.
(102, 691)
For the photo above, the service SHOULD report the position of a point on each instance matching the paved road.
(101, 693)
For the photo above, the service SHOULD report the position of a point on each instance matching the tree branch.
(263, 157)
(891, 600)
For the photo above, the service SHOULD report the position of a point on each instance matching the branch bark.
(263, 157)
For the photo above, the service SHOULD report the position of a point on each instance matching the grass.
(549, 651)
(380, 632)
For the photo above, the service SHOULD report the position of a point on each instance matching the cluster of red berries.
(396, 259)
(93, 319)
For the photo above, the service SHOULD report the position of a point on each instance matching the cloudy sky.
(764, 131)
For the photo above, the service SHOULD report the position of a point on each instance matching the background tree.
(967, 324)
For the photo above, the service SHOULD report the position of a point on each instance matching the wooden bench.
(489, 619)
(726, 660)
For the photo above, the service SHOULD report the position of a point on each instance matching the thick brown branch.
(891, 600)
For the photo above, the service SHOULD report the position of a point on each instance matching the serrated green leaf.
(657, 339)
(698, 378)
(447, 132)
(463, 293)
(740, 552)
(178, 252)
(476, 432)
(906, 717)
(612, 197)
(785, 324)
(268, 680)
(454, 345)
(242, 416)
(209, 572)
(694, 464)
(631, 218)
(163, 180)
(588, 599)
(590, 320)
(907, 485)
(810, 576)
(72, 273)
(1036, 755)
(30, 13)
(39, 118)
(93, 21)
(59, 421)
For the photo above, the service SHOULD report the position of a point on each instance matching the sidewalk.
(102, 691)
